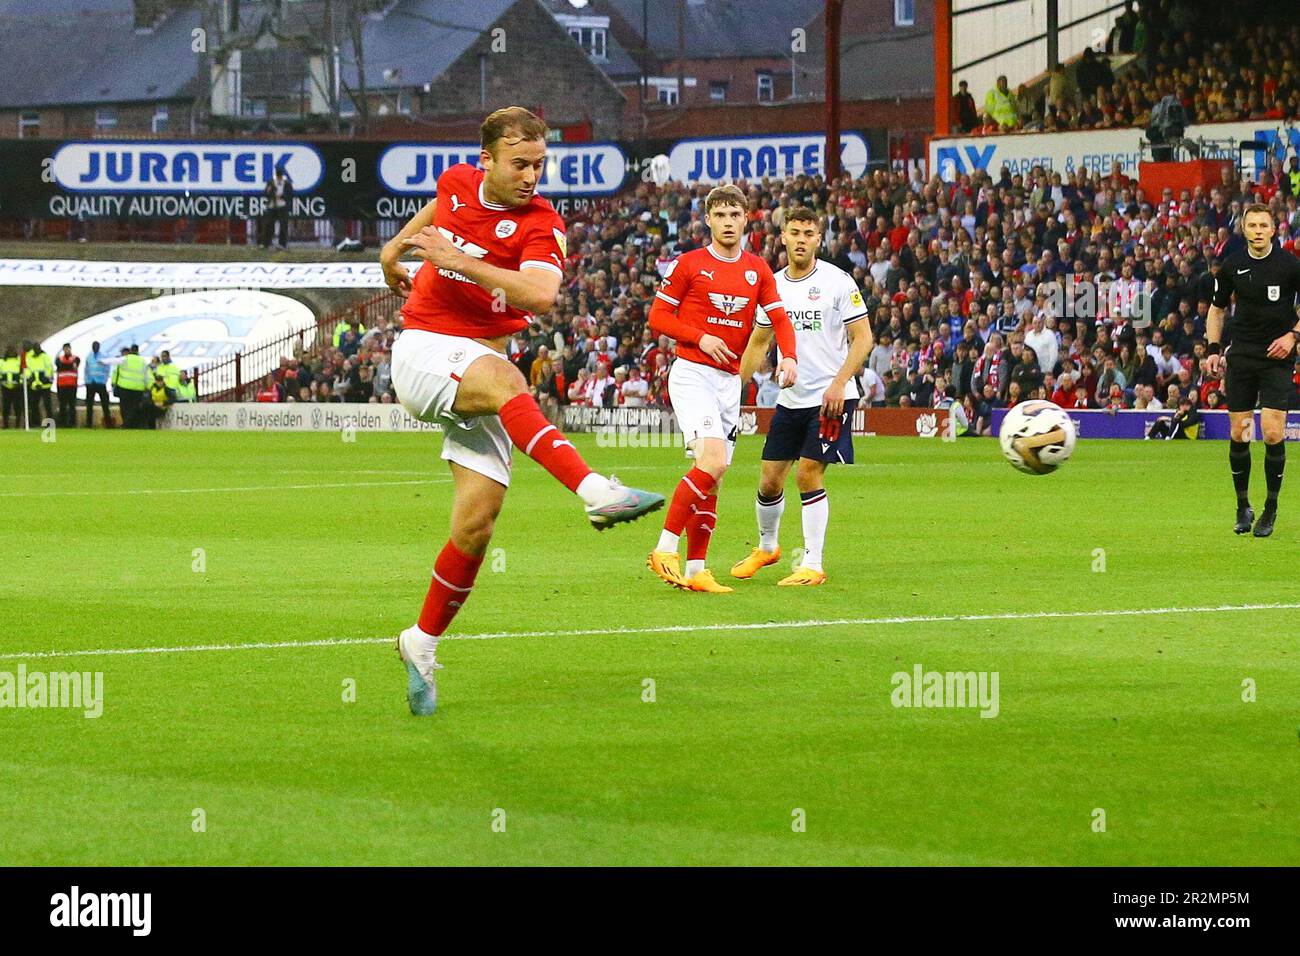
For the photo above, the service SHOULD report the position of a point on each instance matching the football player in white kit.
(812, 423)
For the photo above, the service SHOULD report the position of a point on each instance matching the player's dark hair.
(802, 214)
(726, 195)
(1256, 207)
(514, 121)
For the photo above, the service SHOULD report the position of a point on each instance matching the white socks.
(423, 649)
(769, 520)
(816, 513)
(594, 490)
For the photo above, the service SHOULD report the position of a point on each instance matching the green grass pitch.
(544, 751)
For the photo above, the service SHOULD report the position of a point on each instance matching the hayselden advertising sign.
(754, 157)
(1089, 149)
(294, 417)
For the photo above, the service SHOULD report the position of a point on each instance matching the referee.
(1258, 362)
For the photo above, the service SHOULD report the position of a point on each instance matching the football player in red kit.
(494, 253)
(707, 302)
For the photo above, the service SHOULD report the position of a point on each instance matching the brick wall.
(78, 122)
(877, 16)
(739, 120)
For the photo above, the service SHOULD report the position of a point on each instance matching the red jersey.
(530, 236)
(715, 296)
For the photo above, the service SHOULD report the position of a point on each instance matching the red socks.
(543, 442)
(699, 529)
(693, 490)
(453, 579)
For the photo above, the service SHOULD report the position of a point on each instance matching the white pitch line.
(200, 491)
(669, 629)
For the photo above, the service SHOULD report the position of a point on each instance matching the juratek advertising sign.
(754, 157)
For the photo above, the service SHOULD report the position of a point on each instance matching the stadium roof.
(720, 28)
(618, 62)
(421, 39)
(87, 51)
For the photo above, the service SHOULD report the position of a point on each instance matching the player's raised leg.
(491, 385)
(769, 505)
(476, 503)
(1273, 424)
(815, 511)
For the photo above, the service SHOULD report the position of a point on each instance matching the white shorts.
(427, 368)
(706, 401)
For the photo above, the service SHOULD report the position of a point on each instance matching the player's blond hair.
(513, 121)
(728, 195)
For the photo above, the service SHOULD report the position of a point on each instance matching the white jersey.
(874, 385)
(820, 305)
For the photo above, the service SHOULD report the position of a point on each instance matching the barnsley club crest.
(751, 276)
(506, 228)
(728, 304)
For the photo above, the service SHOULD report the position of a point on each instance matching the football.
(1037, 437)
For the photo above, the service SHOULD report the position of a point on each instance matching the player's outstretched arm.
(760, 340)
(395, 274)
(531, 289)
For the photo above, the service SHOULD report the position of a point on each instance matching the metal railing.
(240, 377)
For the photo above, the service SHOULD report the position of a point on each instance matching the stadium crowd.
(985, 292)
(1221, 62)
(977, 288)
(355, 367)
